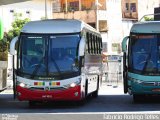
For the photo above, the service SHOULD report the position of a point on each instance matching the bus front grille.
(36, 88)
(151, 83)
(49, 89)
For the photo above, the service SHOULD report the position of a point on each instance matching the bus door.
(13, 52)
(14, 79)
(125, 71)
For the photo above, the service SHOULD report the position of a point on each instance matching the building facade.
(104, 15)
(32, 9)
(93, 12)
(113, 18)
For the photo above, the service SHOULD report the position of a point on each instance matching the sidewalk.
(111, 89)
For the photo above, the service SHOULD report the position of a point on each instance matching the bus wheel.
(86, 90)
(81, 102)
(138, 98)
(32, 103)
(95, 93)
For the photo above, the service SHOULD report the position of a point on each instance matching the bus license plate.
(47, 96)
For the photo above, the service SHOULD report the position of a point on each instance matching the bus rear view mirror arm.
(12, 45)
(81, 47)
(124, 44)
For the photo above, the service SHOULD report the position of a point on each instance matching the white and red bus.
(57, 60)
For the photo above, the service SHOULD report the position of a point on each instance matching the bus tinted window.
(92, 46)
(94, 41)
(88, 44)
(100, 45)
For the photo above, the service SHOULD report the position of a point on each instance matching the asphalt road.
(110, 100)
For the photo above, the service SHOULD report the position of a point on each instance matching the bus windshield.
(144, 54)
(49, 55)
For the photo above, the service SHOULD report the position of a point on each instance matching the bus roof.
(56, 26)
(146, 27)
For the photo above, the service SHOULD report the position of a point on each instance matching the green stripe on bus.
(1, 30)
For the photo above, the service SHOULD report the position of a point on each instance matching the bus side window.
(87, 46)
(97, 45)
(91, 40)
(100, 45)
(93, 50)
(94, 42)
(99, 41)
(93, 45)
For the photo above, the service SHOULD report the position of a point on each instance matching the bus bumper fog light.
(76, 94)
(138, 81)
(22, 84)
(73, 85)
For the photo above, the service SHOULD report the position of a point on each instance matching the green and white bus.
(141, 60)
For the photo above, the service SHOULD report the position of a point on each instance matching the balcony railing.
(88, 16)
(60, 5)
(130, 15)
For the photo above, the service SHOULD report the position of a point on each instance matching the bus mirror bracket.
(82, 47)
(124, 44)
(12, 45)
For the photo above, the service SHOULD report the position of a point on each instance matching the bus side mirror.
(124, 44)
(12, 45)
(81, 47)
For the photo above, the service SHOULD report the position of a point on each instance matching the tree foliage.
(3, 50)
(17, 25)
(148, 18)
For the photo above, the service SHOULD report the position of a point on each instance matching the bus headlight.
(137, 81)
(75, 84)
(72, 84)
(22, 84)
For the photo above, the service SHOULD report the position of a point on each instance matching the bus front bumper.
(25, 94)
(137, 88)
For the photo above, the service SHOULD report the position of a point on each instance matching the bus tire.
(81, 102)
(137, 98)
(86, 89)
(95, 93)
(32, 103)
(125, 82)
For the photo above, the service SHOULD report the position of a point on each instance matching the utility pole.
(97, 21)
(46, 9)
(66, 2)
(80, 5)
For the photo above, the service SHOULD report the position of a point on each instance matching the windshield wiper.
(36, 68)
(55, 64)
(145, 65)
